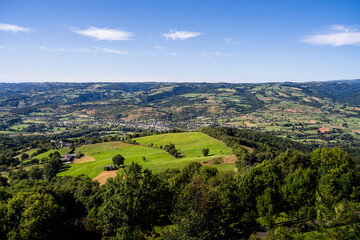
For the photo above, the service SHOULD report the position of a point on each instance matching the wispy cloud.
(180, 35)
(13, 28)
(105, 34)
(110, 50)
(232, 41)
(215, 54)
(84, 50)
(68, 50)
(159, 47)
(338, 36)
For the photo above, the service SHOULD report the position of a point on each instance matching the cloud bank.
(339, 36)
(180, 35)
(105, 34)
(13, 28)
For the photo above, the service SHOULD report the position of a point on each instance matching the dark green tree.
(35, 173)
(52, 168)
(133, 203)
(118, 160)
(205, 208)
(205, 152)
(24, 156)
(298, 193)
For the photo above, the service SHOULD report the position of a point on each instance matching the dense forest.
(293, 196)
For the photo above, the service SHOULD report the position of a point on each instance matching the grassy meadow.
(189, 144)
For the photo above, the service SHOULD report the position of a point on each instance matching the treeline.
(319, 191)
(264, 145)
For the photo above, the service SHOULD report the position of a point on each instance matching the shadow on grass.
(64, 168)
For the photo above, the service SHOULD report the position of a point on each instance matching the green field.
(155, 159)
(189, 144)
(62, 151)
(19, 127)
(29, 152)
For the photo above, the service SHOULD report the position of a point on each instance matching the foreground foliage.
(319, 192)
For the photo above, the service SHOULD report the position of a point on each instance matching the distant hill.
(322, 113)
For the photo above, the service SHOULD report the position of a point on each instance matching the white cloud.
(232, 41)
(109, 50)
(13, 28)
(159, 47)
(105, 34)
(339, 36)
(215, 54)
(84, 50)
(180, 35)
(69, 50)
(173, 54)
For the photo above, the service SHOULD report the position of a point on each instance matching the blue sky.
(192, 41)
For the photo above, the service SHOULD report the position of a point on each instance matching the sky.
(239, 41)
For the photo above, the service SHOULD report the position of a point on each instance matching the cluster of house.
(60, 144)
